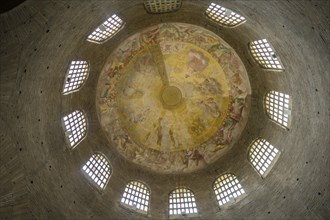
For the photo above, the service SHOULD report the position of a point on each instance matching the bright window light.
(106, 30)
(224, 16)
(264, 54)
(76, 76)
(98, 169)
(227, 188)
(136, 196)
(75, 125)
(278, 108)
(261, 156)
(162, 6)
(182, 202)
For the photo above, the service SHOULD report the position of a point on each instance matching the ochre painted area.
(172, 97)
(180, 115)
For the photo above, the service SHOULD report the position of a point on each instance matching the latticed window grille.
(264, 54)
(262, 156)
(98, 169)
(224, 16)
(106, 30)
(278, 108)
(136, 196)
(182, 202)
(162, 6)
(75, 125)
(76, 76)
(227, 188)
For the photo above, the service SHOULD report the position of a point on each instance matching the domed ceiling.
(173, 97)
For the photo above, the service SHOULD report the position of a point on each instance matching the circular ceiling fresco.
(173, 97)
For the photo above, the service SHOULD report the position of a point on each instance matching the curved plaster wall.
(40, 176)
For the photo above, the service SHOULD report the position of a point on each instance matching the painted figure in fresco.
(193, 155)
(218, 50)
(126, 145)
(237, 109)
(186, 158)
(197, 157)
(211, 86)
(212, 107)
(114, 69)
(150, 36)
(197, 62)
(224, 135)
(169, 32)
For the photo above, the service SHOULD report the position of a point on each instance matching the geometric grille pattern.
(261, 155)
(106, 30)
(76, 76)
(98, 169)
(264, 54)
(162, 6)
(224, 16)
(278, 107)
(75, 127)
(182, 202)
(136, 196)
(227, 188)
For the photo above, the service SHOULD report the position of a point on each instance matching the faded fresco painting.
(173, 98)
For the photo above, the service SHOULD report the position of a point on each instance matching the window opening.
(278, 108)
(136, 196)
(106, 30)
(182, 202)
(162, 6)
(264, 54)
(98, 169)
(224, 16)
(76, 76)
(227, 189)
(75, 125)
(262, 155)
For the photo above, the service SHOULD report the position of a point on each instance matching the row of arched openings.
(136, 195)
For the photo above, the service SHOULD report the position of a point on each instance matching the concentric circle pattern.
(173, 97)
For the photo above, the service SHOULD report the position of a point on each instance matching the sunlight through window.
(98, 169)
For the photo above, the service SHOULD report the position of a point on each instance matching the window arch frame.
(91, 181)
(92, 30)
(221, 24)
(236, 199)
(148, 8)
(68, 143)
(288, 127)
(273, 50)
(174, 216)
(132, 208)
(273, 161)
(67, 74)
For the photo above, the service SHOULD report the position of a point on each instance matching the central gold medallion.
(171, 96)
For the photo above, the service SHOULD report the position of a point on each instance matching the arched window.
(264, 54)
(76, 76)
(227, 189)
(75, 125)
(106, 30)
(182, 202)
(136, 196)
(224, 16)
(278, 108)
(162, 6)
(262, 155)
(98, 169)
